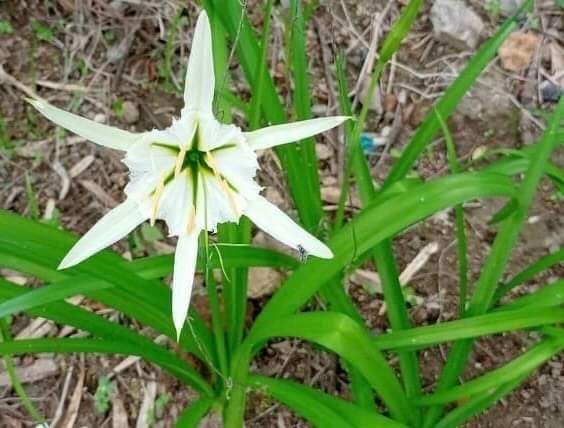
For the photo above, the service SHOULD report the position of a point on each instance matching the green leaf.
(6, 27)
(498, 257)
(67, 314)
(192, 415)
(101, 346)
(448, 102)
(42, 31)
(320, 409)
(230, 255)
(515, 369)
(376, 223)
(103, 394)
(482, 325)
(37, 249)
(541, 265)
(350, 341)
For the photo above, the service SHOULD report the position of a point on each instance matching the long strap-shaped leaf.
(322, 410)
(101, 346)
(376, 223)
(351, 342)
(192, 416)
(518, 367)
(497, 259)
(448, 102)
(483, 325)
(222, 255)
(37, 249)
(15, 299)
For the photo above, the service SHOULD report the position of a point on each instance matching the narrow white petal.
(176, 203)
(290, 132)
(184, 269)
(109, 229)
(98, 133)
(277, 224)
(238, 165)
(200, 78)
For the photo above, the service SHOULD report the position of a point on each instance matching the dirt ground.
(107, 60)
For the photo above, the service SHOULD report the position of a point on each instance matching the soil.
(104, 60)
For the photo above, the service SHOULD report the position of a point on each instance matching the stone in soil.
(517, 51)
(456, 24)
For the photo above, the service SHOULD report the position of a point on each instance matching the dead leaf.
(517, 51)
(76, 397)
(100, 193)
(119, 414)
(81, 166)
(39, 370)
(147, 404)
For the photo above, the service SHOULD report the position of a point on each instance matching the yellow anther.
(156, 199)
(191, 219)
(179, 161)
(228, 191)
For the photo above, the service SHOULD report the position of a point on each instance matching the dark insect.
(303, 253)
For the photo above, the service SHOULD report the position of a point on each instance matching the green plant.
(379, 395)
(42, 31)
(6, 27)
(103, 395)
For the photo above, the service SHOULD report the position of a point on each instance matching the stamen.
(179, 162)
(157, 198)
(228, 191)
(191, 219)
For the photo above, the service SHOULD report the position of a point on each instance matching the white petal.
(290, 132)
(184, 269)
(239, 165)
(176, 204)
(223, 204)
(277, 224)
(147, 163)
(109, 229)
(98, 133)
(200, 78)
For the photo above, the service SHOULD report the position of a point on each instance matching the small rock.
(508, 7)
(456, 24)
(550, 92)
(488, 101)
(331, 194)
(263, 282)
(329, 180)
(517, 50)
(323, 151)
(130, 112)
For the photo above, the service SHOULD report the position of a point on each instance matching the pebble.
(263, 282)
(550, 92)
(456, 24)
(130, 112)
(509, 7)
(323, 151)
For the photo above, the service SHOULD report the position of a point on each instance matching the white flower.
(193, 175)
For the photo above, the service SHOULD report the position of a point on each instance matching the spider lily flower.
(193, 175)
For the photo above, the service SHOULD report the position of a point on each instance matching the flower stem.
(213, 299)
